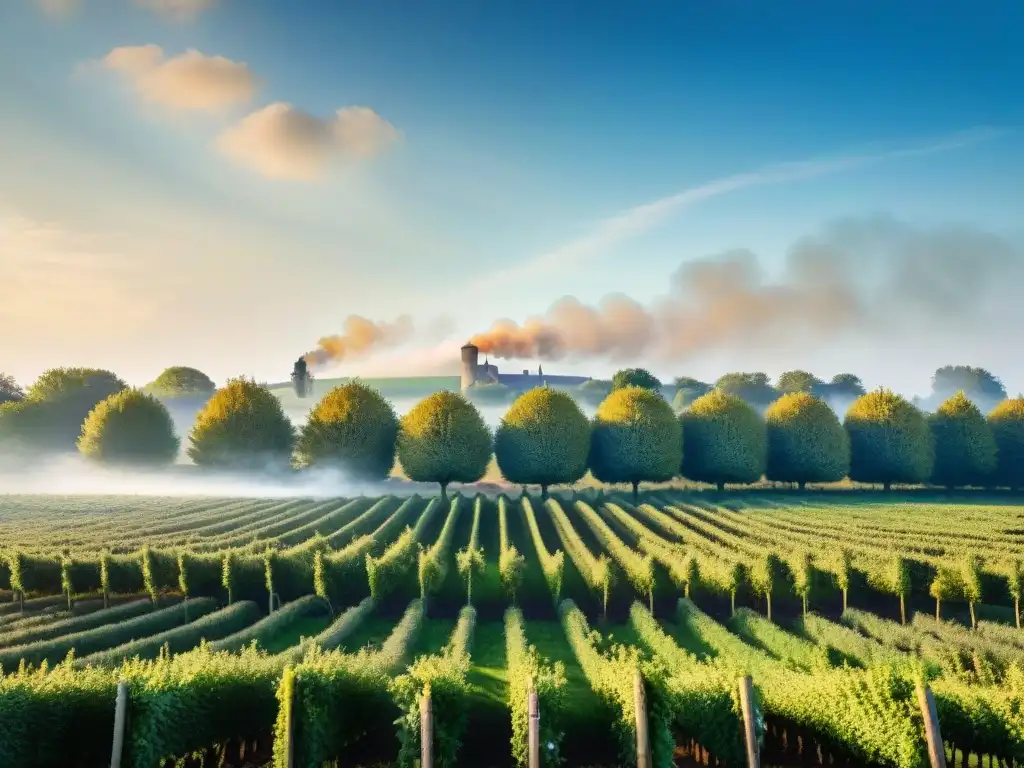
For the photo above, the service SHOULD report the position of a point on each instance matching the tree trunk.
(805, 605)
(721, 487)
(469, 587)
(938, 609)
(543, 490)
(650, 600)
(686, 594)
(846, 595)
(887, 486)
(636, 491)
(769, 598)
(732, 602)
(1016, 610)
(444, 491)
(802, 485)
(903, 610)
(974, 618)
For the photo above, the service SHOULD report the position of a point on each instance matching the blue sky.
(148, 221)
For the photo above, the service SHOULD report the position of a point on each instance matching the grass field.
(679, 587)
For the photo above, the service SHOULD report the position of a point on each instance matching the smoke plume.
(360, 338)
(874, 277)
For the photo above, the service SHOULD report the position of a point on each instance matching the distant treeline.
(544, 438)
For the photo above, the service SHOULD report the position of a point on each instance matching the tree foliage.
(10, 390)
(806, 441)
(635, 377)
(243, 425)
(842, 390)
(798, 381)
(725, 440)
(752, 388)
(890, 441)
(130, 427)
(50, 416)
(443, 439)
(965, 449)
(973, 382)
(352, 427)
(593, 391)
(181, 381)
(544, 439)
(688, 390)
(636, 438)
(1007, 422)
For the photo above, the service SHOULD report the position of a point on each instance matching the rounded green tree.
(725, 440)
(798, 381)
(443, 439)
(636, 438)
(243, 425)
(352, 427)
(130, 427)
(890, 441)
(10, 390)
(1007, 422)
(806, 441)
(51, 415)
(965, 449)
(181, 381)
(635, 377)
(544, 439)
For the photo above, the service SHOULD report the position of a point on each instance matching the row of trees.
(757, 389)
(545, 438)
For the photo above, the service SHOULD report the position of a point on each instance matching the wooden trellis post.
(426, 732)
(534, 730)
(120, 719)
(643, 742)
(749, 734)
(932, 734)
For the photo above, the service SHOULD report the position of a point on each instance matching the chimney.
(470, 364)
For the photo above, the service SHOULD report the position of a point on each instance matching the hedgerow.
(443, 677)
(272, 625)
(552, 565)
(511, 562)
(194, 702)
(342, 577)
(336, 632)
(611, 676)
(332, 698)
(870, 714)
(704, 699)
(434, 561)
(396, 568)
(213, 626)
(528, 671)
(109, 636)
(68, 626)
(471, 560)
(639, 569)
(596, 570)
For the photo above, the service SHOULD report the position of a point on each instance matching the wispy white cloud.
(189, 81)
(632, 222)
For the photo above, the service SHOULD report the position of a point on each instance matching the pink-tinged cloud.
(190, 81)
(282, 142)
